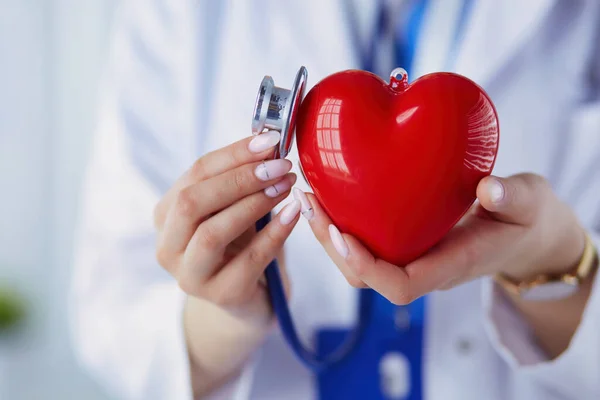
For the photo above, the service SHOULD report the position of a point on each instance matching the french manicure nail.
(338, 241)
(280, 187)
(495, 190)
(272, 169)
(264, 141)
(289, 212)
(306, 207)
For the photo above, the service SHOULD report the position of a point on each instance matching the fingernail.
(280, 187)
(272, 169)
(264, 141)
(306, 208)
(338, 241)
(495, 190)
(289, 212)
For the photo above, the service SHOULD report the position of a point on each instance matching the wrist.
(566, 253)
(555, 285)
(218, 343)
(560, 256)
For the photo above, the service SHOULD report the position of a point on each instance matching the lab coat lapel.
(494, 32)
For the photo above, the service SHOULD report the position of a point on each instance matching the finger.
(247, 150)
(197, 201)
(242, 152)
(514, 200)
(442, 265)
(205, 249)
(391, 281)
(319, 222)
(239, 279)
(223, 190)
(399, 285)
(452, 261)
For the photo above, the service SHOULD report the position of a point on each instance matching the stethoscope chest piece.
(276, 109)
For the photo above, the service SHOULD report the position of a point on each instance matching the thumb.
(516, 199)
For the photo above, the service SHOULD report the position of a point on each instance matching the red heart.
(396, 165)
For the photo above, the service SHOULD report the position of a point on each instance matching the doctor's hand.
(518, 228)
(207, 241)
(206, 224)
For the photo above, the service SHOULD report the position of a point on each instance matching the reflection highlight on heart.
(404, 116)
(329, 141)
(482, 137)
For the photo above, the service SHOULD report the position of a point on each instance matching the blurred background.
(51, 58)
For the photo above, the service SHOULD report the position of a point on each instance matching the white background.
(51, 56)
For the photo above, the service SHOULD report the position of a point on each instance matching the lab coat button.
(464, 346)
(394, 370)
(402, 319)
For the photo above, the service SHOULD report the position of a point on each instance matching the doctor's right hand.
(206, 224)
(207, 240)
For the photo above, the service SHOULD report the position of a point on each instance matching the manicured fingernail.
(338, 241)
(495, 190)
(264, 141)
(289, 212)
(272, 169)
(280, 187)
(306, 209)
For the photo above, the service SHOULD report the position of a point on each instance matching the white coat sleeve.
(575, 374)
(126, 311)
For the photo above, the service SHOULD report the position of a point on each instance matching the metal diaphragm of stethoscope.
(277, 109)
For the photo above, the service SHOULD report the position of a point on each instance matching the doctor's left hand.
(518, 228)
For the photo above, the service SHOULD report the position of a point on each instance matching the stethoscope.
(276, 108)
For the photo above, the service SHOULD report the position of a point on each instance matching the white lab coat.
(182, 81)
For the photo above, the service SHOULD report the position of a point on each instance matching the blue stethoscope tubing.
(312, 360)
(278, 298)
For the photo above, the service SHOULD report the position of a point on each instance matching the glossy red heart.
(396, 165)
